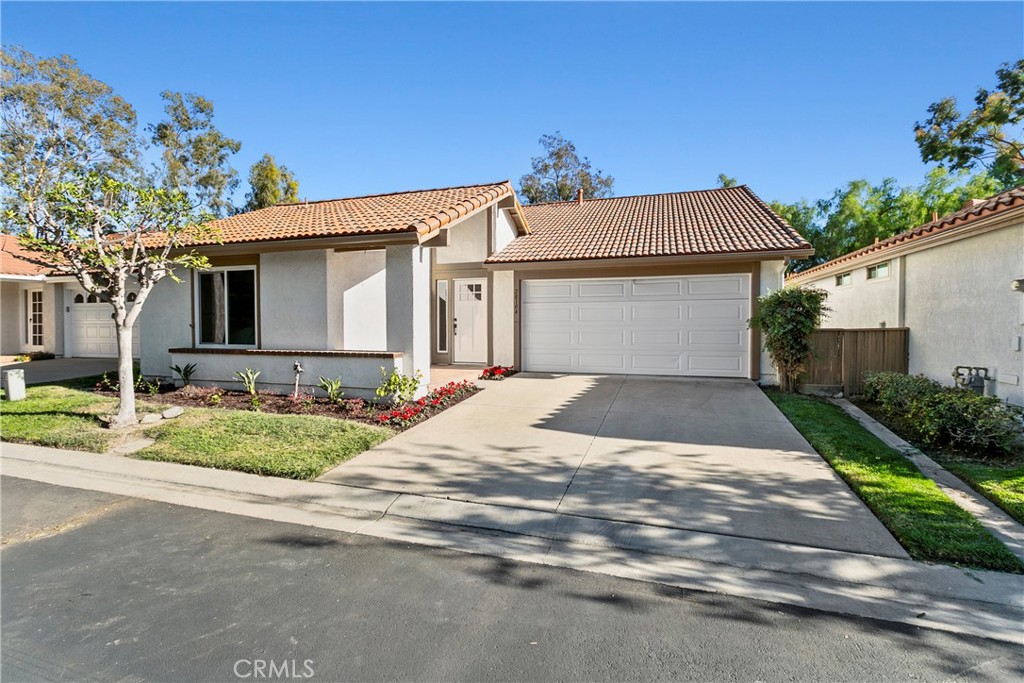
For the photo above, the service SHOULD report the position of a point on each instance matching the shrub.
(895, 392)
(396, 387)
(333, 389)
(248, 380)
(787, 318)
(185, 373)
(965, 420)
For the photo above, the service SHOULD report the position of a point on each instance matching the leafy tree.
(726, 181)
(788, 318)
(561, 173)
(74, 190)
(270, 184)
(196, 155)
(859, 213)
(988, 136)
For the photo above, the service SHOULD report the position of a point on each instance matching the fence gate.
(842, 357)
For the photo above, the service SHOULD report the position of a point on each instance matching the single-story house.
(44, 310)
(658, 284)
(957, 284)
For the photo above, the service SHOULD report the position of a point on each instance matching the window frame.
(28, 319)
(848, 276)
(442, 317)
(197, 319)
(874, 268)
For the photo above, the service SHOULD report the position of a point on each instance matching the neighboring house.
(658, 284)
(957, 283)
(43, 310)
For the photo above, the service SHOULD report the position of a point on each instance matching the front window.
(442, 316)
(878, 271)
(843, 279)
(227, 307)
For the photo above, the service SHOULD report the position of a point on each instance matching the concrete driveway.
(705, 455)
(58, 369)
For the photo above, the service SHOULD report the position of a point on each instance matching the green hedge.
(946, 416)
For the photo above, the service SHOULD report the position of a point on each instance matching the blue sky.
(793, 99)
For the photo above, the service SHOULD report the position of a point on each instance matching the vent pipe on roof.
(935, 216)
(579, 196)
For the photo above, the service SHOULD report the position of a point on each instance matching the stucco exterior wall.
(165, 323)
(357, 300)
(360, 376)
(504, 229)
(772, 278)
(12, 310)
(293, 301)
(408, 308)
(961, 310)
(863, 302)
(503, 293)
(468, 241)
(11, 315)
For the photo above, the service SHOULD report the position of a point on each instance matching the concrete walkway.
(59, 369)
(987, 604)
(711, 456)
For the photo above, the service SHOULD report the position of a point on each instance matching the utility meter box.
(14, 384)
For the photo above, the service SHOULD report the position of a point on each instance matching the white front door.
(469, 322)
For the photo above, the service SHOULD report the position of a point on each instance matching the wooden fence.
(841, 357)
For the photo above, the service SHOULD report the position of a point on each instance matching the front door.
(469, 322)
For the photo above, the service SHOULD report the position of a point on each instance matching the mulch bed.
(354, 409)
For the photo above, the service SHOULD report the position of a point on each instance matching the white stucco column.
(407, 274)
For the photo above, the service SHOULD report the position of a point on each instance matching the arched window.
(79, 299)
(91, 299)
(131, 297)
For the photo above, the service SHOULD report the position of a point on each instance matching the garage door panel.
(656, 338)
(684, 325)
(654, 363)
(733, 339)
(92, 330)
(549, 313)
(655, 311)
(597, 313)
(716, 310)
(604, 290)
(671, 289)
(718, 287)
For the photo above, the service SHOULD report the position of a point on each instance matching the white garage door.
(92, 330)
(686, 325)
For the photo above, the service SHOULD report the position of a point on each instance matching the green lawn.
(57, 416)
(295, 446)
(1003, 484)
(922, 518)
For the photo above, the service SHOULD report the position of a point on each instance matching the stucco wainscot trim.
(360, 371)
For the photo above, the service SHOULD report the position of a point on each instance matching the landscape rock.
(149, 418)
(172, 412)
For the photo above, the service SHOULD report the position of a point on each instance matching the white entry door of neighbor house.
(680, 325)
(469, 321)
(93, 334)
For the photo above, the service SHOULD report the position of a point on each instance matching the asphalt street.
(97, 587)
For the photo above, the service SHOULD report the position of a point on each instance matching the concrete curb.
(1001, 525)
(987, 604)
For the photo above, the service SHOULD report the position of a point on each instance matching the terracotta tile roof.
(973, 211)
(18, 261)
(419, 211)
(721, 221)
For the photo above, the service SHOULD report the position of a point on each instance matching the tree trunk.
(125, 379)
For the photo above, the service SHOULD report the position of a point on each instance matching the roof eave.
(771, 255)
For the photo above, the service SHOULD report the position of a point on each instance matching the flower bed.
(497, 372)
(398, 417)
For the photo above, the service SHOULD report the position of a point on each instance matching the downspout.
(901, 292)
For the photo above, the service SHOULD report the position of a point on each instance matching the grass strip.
(292, 446)
(929, 525)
